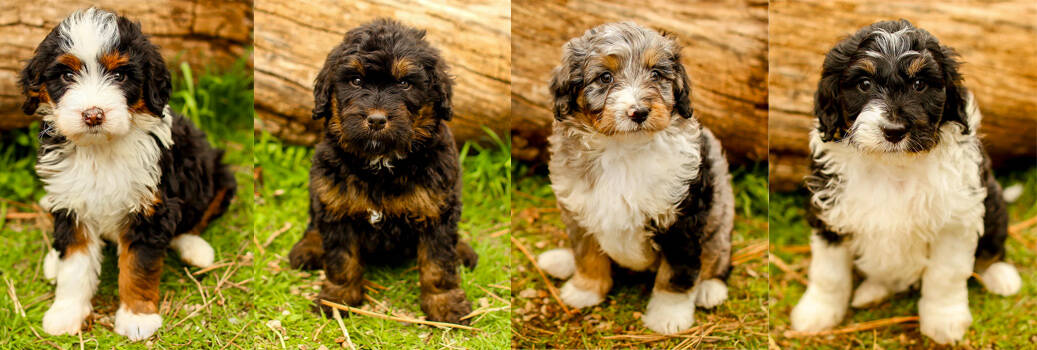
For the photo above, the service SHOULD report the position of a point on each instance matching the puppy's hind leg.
(193, 250)
(559, 263)
(467, 255)
(671, 308)
(308, 253)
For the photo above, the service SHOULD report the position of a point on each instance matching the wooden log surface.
(197, 31)
(725, 54)
(997, 42)
(294, 38)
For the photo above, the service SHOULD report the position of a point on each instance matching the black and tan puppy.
(385, 184)
(118, 165)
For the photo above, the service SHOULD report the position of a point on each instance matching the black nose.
(639, 115)
(376, 121)
(93, 116)
(894, 134)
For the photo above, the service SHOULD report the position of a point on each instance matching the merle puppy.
(118, 165)
(385, 185)
(901, 187)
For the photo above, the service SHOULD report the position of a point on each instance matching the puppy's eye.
(404, 85)
(656, 75)
(918, 85)
(864, 85)
(118, 76)
(68, 77)
(605, 78)
(356, 82)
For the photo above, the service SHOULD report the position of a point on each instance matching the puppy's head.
(95, 77)
(890, 87)
(621, 78)
(384, 90)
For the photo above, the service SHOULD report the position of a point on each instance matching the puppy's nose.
(93, 116)
(894, 133)
(639, 114)
(376, 121)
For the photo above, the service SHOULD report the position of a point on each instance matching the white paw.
(559, 263)
(1001, 278)
(944, 324)
(193, 250)
(136, 326)
(579, 298)
(816, 312)
(669, 312)
(65, 317)
(710, 293)
(868, 294)
(50, 265)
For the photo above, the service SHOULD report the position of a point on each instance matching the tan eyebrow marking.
(866, 65)
(401, 67)
(916, 66)
(113, 60)
(71, 61)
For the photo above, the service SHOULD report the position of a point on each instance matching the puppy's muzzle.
(93, 117)
(638, 114)
(376, 121)
(894, 133)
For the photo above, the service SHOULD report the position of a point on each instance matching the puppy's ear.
(31, 81)
(567, 79)
(954, 107)
(682, 88)
(157, 82)
(322, 87)
(827, 108)
(442, 90)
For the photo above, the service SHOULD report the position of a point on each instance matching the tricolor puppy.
(385, 185)
(901, 186)
(639, 181)
(117, 165)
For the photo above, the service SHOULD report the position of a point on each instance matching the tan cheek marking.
(401, 67)
(424, 122)
(113, 60)
(659, 118)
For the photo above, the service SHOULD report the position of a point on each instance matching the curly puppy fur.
(117, 165)
(901, 186)
(385, 183)
(639, 181)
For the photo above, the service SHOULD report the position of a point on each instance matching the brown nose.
(93, 116)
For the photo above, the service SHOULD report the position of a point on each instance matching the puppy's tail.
(559, 263)
(1001, 278)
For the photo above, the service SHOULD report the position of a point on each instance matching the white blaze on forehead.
(89, 33)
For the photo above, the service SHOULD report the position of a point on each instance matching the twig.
(273, 236)
(212, 267)
(1016, 232)
(18, 309)
(201, 290)
(795, 248)
(193, 313)
(484, 311)
(236, 335)
(776, 260)
(550, 286)
(342, 326)
(14, 215)
(749, 252)
(495, 296)
(394, 318)
(856, 327)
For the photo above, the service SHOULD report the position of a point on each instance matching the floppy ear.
(682, 89)
(954, 105)
(827, 109)
(157, 83)
(567, 80)
(442, 89)
(31, 81)
(322, 88)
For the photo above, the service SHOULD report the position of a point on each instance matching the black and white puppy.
(901, 187)
(385, 184)
(639, 181)
(117, 165)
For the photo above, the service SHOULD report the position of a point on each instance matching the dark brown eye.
(605, 78)
(656, 75)
(864, 85)
(404, 85)
(68, 77)
(118, 76)
(918, 85)
(356, 82)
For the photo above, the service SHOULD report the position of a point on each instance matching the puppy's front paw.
(710, 293)
(869, 293)
(136, 326)
(65, 317)
(579, 298)
(347, 295)
(669, 312)
(50, 265)
(944, 324)
(816, 312)
(449, 306)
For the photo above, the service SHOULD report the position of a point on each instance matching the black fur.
(816, 181)
(991, 247)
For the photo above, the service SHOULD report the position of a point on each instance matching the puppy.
(385, 184)
(901, 187)
(117, 164)
(639, 181)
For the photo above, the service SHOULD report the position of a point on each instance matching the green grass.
(998, 322)
(219, 101)
(282, 200)
(539, 322)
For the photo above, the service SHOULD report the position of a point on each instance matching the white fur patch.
(869, 293)
(1001, 278)
(668, 312)
(559, 263)
(50, 265)
(828, 292)
(193, 250)
(1012, 193)
(710, 293)
(135, 326)
(943, 324)
(579, 298)
(77, 278)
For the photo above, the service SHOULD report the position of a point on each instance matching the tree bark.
(293, 39)
(197, 31)
(724, 51)
(995, 40)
